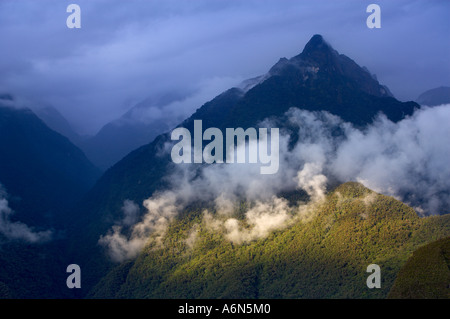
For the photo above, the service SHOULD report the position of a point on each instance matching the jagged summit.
(321, 65)
(317, 46)
(317, 39)
(320, 53)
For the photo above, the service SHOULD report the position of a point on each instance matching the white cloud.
(16, 230)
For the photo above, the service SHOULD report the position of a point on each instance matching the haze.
(128, 51)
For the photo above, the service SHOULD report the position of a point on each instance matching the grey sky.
(127, 51)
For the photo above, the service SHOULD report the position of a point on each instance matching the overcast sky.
(127, 51)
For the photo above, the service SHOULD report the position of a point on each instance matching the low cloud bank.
(407, 160)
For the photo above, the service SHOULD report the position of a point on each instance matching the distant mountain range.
(433, 97)
(132, 130)
(119, 137)
(58, 123)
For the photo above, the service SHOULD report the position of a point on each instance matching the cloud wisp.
(17, 231)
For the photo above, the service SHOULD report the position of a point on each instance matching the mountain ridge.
(434, 97)
(45, 159)
(42, 175)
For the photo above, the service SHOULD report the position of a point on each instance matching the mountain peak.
(317, 39)
(316, 45)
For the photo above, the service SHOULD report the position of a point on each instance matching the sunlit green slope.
(322, 256)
